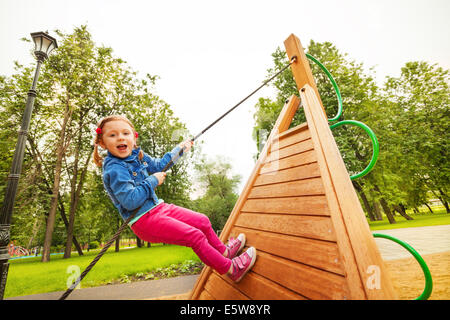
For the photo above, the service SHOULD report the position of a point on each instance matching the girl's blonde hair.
(97, 158)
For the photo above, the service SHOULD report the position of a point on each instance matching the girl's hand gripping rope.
(161, 176)
(186, 145)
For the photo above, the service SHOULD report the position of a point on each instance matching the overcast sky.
(211, 54)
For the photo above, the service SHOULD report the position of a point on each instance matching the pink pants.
(171, 224)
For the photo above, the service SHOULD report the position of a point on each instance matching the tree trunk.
(117, 244)
(365, 201)
(400, 209)
(445, 203)
(138, 242)
(73, 183)
(66, 223)
(385, 206)
(36, 227)
(55, 191)
(444, 200)
(376, 208)
(431, 211)
(387, 211)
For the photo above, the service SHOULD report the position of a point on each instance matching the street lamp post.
(44, 44)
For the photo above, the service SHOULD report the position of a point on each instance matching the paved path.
(424, 240)
(129, 291)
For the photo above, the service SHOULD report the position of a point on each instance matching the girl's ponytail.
(97, 158)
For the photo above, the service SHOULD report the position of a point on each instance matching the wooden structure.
(301, 213)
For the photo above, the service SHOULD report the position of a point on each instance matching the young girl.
(130, 177)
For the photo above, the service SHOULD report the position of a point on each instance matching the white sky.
(210, 54)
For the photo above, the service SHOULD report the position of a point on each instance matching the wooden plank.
(259, 288)
(316, 253)
(350, 212)
(291, 150)
(291, 131)
(205, 296)
(295, 173)
(221, 290)
(306, 187)
(311, 205)
(283, 141)
(305, 226)
(294, 161)
(305, 280)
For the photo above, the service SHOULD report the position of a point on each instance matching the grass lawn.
(30, 276)
(425, 218)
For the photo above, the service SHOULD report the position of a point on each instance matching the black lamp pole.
(44, 44)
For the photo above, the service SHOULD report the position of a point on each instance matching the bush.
(94, 245)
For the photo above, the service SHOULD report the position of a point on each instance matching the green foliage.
(220, 191)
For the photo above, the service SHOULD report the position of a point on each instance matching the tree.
(421, 96)
(220, 191)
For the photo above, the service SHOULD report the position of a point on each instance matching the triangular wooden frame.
(301, 212)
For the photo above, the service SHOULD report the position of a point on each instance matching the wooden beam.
(355, 241)
(301, 69)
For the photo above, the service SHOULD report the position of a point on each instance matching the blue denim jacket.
(130, 182)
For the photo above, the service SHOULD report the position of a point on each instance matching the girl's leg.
(199, 221)
(159, 226)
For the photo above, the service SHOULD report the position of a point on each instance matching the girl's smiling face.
(118, 138)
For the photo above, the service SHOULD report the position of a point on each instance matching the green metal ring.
(375, 145)
(428, 280)
(336, 89)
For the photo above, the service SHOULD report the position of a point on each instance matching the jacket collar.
(130, 158)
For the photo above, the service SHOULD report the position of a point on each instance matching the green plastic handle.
(336, 89)
(375, 145)
(428, 280)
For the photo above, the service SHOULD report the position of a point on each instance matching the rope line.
(92, 264)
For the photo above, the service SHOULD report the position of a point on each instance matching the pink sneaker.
(235, 245)
(242, 264)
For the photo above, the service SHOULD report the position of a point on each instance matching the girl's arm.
(158, 164)
(125, 191)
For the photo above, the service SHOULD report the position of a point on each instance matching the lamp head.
(43, 44)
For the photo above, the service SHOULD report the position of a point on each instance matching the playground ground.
(433, 243)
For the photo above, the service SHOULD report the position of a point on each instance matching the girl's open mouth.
(122, 147)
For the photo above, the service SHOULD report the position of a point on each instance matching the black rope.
(293, 59)
(100, 254)
(114, 237)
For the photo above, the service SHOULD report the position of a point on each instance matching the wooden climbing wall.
(301, 213)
